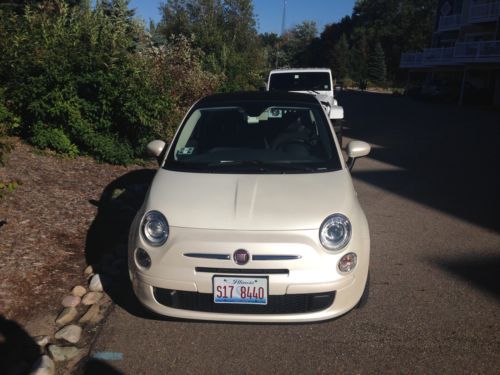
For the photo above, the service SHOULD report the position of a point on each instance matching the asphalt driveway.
(431, 191)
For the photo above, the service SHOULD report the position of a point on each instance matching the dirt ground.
(44, 226)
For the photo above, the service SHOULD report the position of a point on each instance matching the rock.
(74, 361)
(91, 297)
(88, 271)
(91, 313)
(96, 283)
(78, 291)
(66, 316)
(42, 341)
(71, 333)
(63, 353)
(71, 301)
(43, 366)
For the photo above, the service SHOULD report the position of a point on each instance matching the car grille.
(284, 304)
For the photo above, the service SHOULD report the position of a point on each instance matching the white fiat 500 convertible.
(252, 215)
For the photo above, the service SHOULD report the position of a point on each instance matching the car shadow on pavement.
(441, 156)
(98, 367)
(483, 272)
(18, 351)
(106, 242)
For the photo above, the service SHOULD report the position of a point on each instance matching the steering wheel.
(282, 141)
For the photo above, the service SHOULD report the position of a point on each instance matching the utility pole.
(283, 23)
(283, 18)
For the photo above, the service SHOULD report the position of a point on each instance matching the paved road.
(430, 190)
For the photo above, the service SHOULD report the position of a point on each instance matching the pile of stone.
(83, 306)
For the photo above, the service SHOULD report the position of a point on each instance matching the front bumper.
(347, 295)
(310, 276)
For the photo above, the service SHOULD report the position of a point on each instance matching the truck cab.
(314, 81)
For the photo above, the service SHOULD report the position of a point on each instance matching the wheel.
(364, 297)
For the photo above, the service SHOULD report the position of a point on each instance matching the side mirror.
(155, 148)
(356, 149)
(336, 112)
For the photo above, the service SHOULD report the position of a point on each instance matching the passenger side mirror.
(155, 148)
(355, 150)
(336, 112)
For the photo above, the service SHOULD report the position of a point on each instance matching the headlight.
(335, 232)
(155, 228)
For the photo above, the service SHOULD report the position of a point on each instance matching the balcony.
(449, 22)
(438, 56)
(477, 52)
(411, 60)
(462, 53)
(487, 12)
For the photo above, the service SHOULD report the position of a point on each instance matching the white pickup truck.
(314, 81)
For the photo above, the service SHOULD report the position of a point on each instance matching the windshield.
(300, 81)
(254, 137)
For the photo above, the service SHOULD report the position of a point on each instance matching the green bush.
(8, 122)
(53, 138)
(78, 69)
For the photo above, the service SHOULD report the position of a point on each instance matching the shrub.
(53, 138)
(8, 122)
(76, 71)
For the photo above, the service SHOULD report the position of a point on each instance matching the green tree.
(296, 44)
(359, 56)
(341, 58)
(225, 30)
(377, 72)
(399, 26)
(270, 44)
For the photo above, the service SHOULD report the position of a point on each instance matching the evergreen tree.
(359, 57)
(377, 72)
(341, 58)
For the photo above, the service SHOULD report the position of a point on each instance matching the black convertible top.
(258, 95)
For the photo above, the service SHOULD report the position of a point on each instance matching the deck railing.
(411, 60)
(484, 12)
(469, 52)
(449, 22)
(488, 51)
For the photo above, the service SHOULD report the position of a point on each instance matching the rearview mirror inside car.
(356, 149)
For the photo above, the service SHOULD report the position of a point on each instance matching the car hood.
(250, 202)
(324, 96)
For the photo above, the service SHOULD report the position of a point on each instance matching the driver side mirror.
(155, 149)
(355, 150)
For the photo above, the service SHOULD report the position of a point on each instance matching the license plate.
(242, 290)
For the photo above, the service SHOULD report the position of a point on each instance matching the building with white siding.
(464, 58)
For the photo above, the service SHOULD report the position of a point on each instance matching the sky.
(269, 12)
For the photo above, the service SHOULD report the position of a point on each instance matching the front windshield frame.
(300, 81)
(254, 165)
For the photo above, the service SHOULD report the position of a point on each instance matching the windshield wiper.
(239, 163)
(263, 166)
